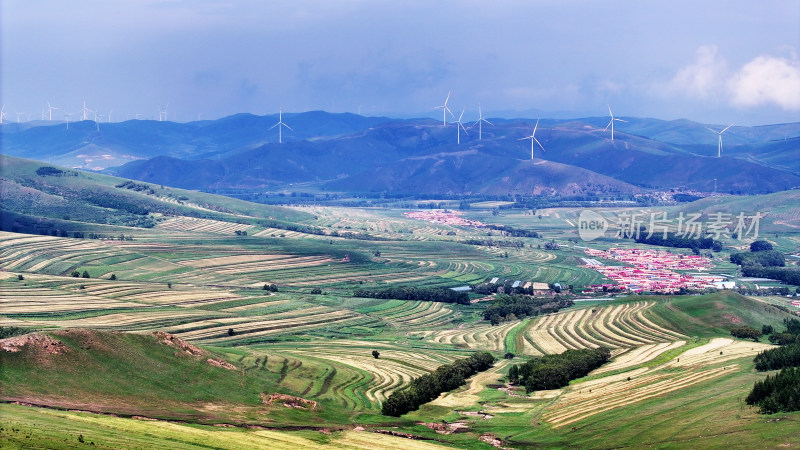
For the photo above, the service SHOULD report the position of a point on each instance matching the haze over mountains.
(347, 152)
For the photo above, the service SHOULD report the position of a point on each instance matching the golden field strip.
(696, 365)
(615, 326)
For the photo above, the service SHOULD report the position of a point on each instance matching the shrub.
(760, 246)
(746, 333)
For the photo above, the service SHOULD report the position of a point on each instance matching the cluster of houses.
(652, 271)
(445, 216)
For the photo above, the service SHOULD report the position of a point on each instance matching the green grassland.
(204, 287)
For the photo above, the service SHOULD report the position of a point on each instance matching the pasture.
(196, 279)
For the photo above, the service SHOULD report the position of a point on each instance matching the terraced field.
(197, 225)
(694, 366)
(624, 325)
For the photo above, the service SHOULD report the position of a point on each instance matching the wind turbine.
(479, 122)
(19, 114)
(279, 125)
(85, 111)
(2, 114)
(719, 143)
(460, 126)
(50, 109)
(66, 117)
(533, 139)
(109, 115)
(162, 113)
(445, 110)
(611, 123)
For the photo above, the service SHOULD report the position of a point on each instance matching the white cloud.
(704, 78)
(767, 80)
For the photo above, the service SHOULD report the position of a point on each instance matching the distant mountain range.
(352, 153)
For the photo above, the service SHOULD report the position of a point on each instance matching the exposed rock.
(174, 341)
(37, 341)
(288, 401)
(220, 363)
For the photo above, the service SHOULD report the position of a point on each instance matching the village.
(446, 217)
(652, 271)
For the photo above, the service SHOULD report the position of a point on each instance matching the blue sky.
(712, 61)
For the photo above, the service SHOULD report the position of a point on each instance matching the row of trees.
(778, 358)
(746, 333)
(555, 371)
(494, 243)
(513, 232)
(427, 387)
(788, 355)
(780, 392)
(442, 295)
(766, 258)
(509, 307)
(676, 241)
(785, 274)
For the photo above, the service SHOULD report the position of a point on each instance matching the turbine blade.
(620, 120)
(609, 112)
(534, 127)
(725, 128)
(490, 123)
(540, 144)
(609, 124)
(287, 126)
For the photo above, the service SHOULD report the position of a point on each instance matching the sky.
(712, 61)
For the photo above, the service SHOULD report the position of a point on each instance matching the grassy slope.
(133, 374)
(715, 314)
(65, 191)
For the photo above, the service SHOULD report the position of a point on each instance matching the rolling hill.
(362, 154)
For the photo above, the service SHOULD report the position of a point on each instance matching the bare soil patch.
(34, 341)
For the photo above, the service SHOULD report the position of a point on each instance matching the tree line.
(780, 392)
(555, 371)
(510, 307)
(785, 274)
(427, 387)
(442, 295)
(676, 241)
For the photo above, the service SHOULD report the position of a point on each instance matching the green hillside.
(39, 190)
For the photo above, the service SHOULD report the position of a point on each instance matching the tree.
(316, 291)
(85, 274)
(112, 277)
(760, 246)
(75, 274)
(20, 277)
(746, 333)
(231, 332)
(376, 354)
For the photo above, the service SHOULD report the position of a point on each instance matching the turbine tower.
(611, 123)
(460, 126)
(50, 109)
(479, 123)
(66, 117)
(19, 114)
(162, 113)
(445, 110)
(533, 139)
(279, 125)
(719, 143)
(2, 114)
(85, 111)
